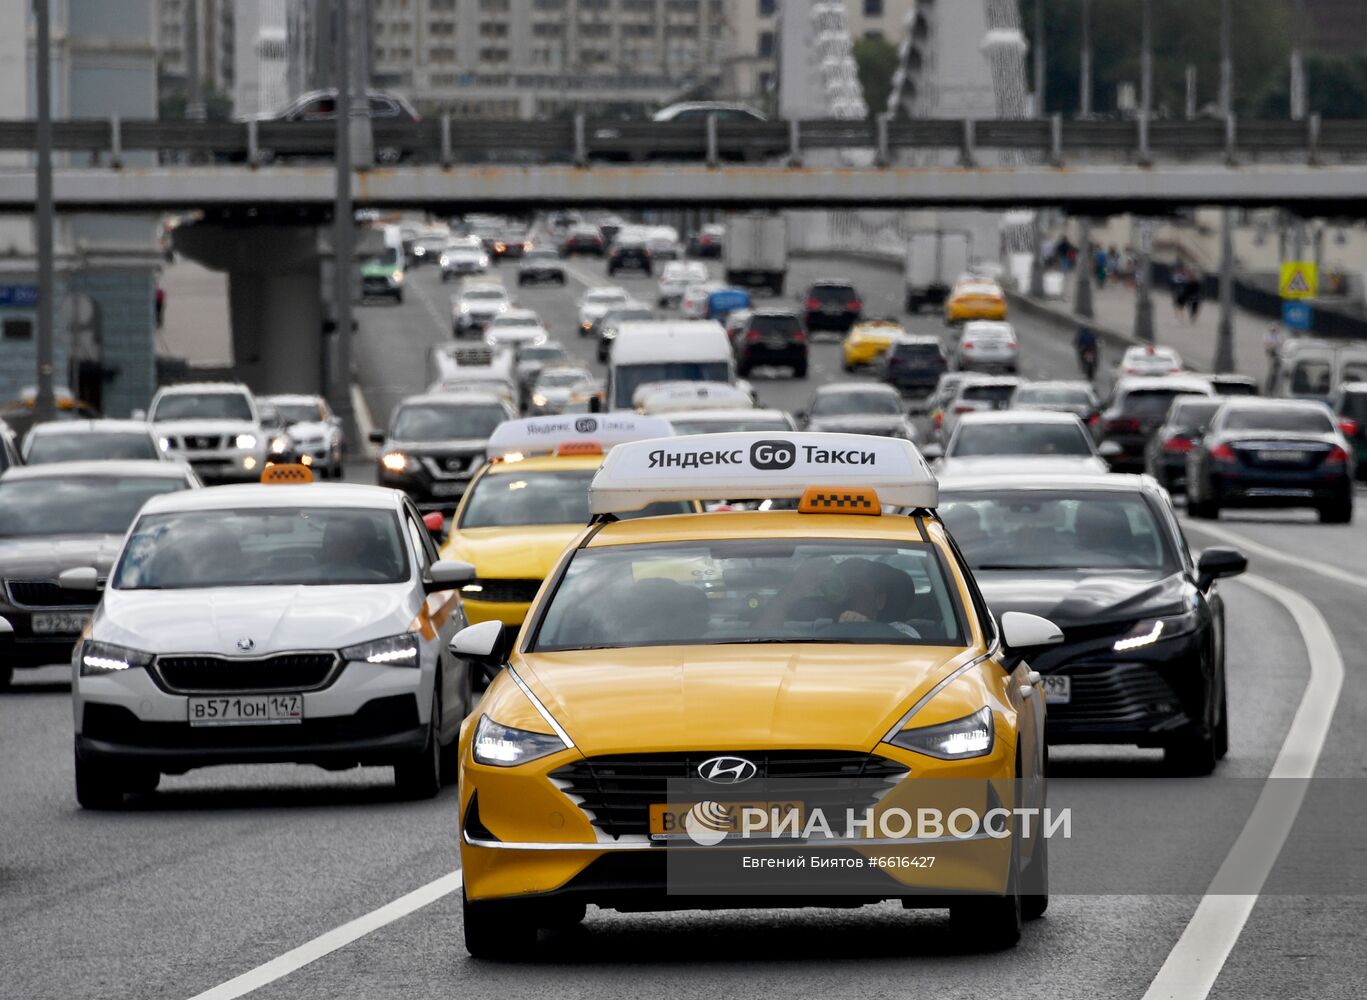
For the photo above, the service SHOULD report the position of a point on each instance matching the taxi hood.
(524, 552)
(275, 619)
(730, 697)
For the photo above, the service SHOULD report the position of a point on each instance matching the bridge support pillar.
(275, 299)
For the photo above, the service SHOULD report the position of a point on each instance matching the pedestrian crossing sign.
(1300, 279)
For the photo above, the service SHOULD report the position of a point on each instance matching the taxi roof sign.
(547, 435)
(661, 397)
(283, 472)
(760, 464)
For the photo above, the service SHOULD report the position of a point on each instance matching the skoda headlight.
(106, 658)
(245, 441)
(504, 746)
(395, 651)
(971, 736)
(1151, 630)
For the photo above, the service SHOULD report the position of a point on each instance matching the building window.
(17, 328)
(766, 44)
(766, 7)
(873, 8)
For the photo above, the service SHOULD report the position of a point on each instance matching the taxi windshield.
(752, 590)
(561, 496)
(261, 548)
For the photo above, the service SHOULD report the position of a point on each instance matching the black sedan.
(436, 443)
(1165, 456)
(1143, 656)
(1272, 453)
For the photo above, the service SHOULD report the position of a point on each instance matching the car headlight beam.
(394, 651)
(1152, 630)
(498, 745)
(394, 461)
(972, 736)
(245, 441)
(98, 658)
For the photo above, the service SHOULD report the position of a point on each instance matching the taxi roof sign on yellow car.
(761, 464)
(284, 472)
(572, 433)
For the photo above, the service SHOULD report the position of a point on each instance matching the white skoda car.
(270, 623)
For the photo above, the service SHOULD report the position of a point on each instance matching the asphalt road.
(222, 872)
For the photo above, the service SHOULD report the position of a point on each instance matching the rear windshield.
(998, 395)
(1287, 419)
(1311, 378)
(775, 324)
(1354, 405)
(833, 293)
(849, 404)
(1194, 416)
(975, 440)
(919, 353)
(1148, 403)
(96, 447)
(1052, 397)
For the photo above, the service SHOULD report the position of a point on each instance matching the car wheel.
(995, 921)
(497, 929)
(1338, 512)
(388, 155)
(1035, 882)
(418, 776)
(800, 371)
(1222, 726)
(97, 785)
(6, 677)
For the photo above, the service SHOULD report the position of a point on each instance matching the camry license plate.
(60, 623)
(1281, 455)
(252, 709)
(1058, 689)
(669, 820)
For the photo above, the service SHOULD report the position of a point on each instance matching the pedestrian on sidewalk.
(1179, 279)
(1099, 268)
(1272, 345)
(1194, 297)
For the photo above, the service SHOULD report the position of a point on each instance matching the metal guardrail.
(447, 140)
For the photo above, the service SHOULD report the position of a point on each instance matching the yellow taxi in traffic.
(528, 502)
(868, 341)
(772, 708)
(975, 298)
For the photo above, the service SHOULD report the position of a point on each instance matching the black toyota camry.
(1142, 661)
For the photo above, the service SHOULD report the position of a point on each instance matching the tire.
(6, 677)
(800, 371)
(1222, 725)
(995, 921)
(388, 156)
(97, 785)
(398, 297)
(1191, 756)
(1202, 510)
(1035, 883)
(1338, 512)
(418, 776)
(497, 930)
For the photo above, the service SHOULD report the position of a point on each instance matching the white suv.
(214, 426)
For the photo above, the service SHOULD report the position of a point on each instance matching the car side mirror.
(930, 451)
(79, 578)
(1021, 631)
(485, 644)
(1218, 562)
(446, 574)
(376, 437)
(1110, 449)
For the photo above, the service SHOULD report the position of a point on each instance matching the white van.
(666, 351)
(1311, 368)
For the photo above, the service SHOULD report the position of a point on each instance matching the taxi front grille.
(47, 594)
(503, 591)
(281, 672)
(617, 792)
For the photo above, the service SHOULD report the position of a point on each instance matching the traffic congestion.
(650, 557)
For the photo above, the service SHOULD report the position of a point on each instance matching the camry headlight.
(395, 461)
(395, 651)
(504, 746)
(245, 441)
(971, 736)
(1151, 630)
(106, 658)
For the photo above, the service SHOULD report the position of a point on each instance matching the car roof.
(202, 387)
(263, 495)
(1181, 383)
(97, 426)
(291, 397)
(1112, 482)
(1019, 417)
(142, 468)
(455, 397)
(832, 388)
(1060, 383)
(1263, 403)
(721, 416)
(832, 281)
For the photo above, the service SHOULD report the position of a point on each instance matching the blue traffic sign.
(18, 295)
(1297, 315)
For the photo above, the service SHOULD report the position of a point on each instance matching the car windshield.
(685, 426)
(850, 404)
(752, 590)
(262, 547)
(1295, 420)
(77, 505)
(44, 448)
(563, 377)
(1047, 530)
(299, 413)
(541, 354)
(207, 406)
(974, 440)
(605, 298)
(1148, 404)
(1194, 415)
(486, 294)
(1026, 395)
(997, 395)
(446, 422)
(518, 499)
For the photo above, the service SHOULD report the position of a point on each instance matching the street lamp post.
(1085, 74)
(44, 402)
(1143, 228)
(343, 232)
(1039, 59)
(1224, 334)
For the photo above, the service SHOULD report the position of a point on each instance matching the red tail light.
(854, 305)
(1010, 345)
(967, 345)
(1093, 419)
(813, 303)
(1336, 456)
(1223, 453)
(963, 409)
(1177, 445)
(1123, 425)
(752, 336)
(799, 336)
(1348, 426)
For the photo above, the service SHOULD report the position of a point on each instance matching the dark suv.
(1137, 409)
(913, 366)
(436, 444)
(1350, 410)
(771, 337)
(831, 305)
(629, 255)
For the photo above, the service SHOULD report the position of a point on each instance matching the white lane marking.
(338, 937)
(1251, 547)
(1194, 963)
(443, 323)
(587, 280)
(365, 422)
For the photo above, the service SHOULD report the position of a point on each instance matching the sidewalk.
(1114, 307)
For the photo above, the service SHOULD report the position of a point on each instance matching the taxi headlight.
(971, 736)
(1152, 630)
(394, 651)
(245, 441)
(395, 461)
(504, 746)
(105, 658)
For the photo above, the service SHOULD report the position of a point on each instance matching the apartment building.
(209, 24)
(538, 58)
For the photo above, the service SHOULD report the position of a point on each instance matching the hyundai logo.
(727, 770)
(246, 645)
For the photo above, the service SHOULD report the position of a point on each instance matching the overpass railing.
(446, 140)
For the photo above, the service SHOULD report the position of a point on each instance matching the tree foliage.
(876, 59)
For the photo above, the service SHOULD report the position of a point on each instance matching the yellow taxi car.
(692, 699)
(868, 341)
(528, 502)
(975, 298)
